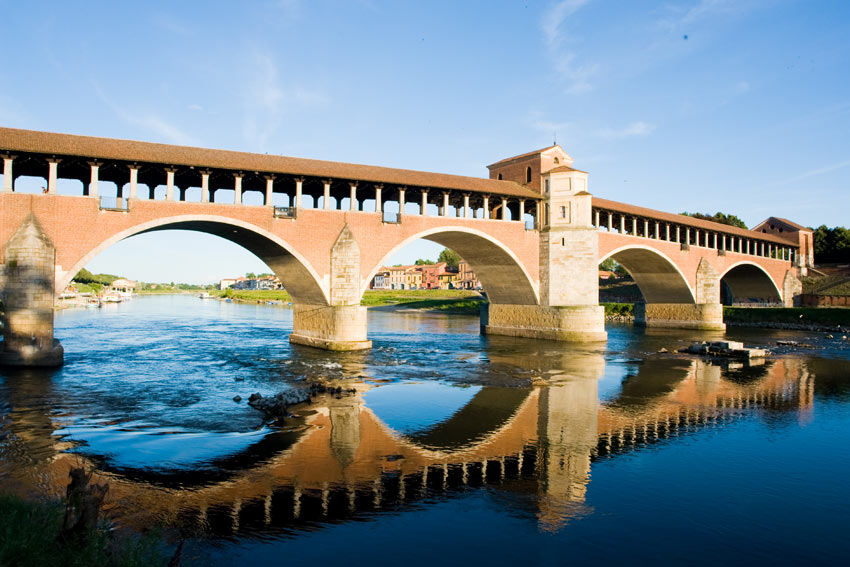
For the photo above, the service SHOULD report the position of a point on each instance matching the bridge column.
(504, 209)
(445, 211)
(352, 197)
(269, 200)
(379, 202)
(568, 308)
(705, 314)
(205, 186)
(29, 276)
(237, 188)
(299, 190)
(341, 325)
(134, 181)
(466, 205)
(53, 175)
(169, 183)
(8, 185)
(423, 207)
(95, 177)
(326, 205)
(486, 206)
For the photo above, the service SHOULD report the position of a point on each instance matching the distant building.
(381, 280)
(123, 286)
(226, 283)
(466, 277)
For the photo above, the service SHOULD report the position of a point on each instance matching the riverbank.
(800, 318)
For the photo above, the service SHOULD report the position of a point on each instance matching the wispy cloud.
(146, 119)
(576, 75)
(634, 129)
(267, 99)
(679, 17)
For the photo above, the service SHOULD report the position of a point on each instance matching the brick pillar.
(342, 324)
(28, 298)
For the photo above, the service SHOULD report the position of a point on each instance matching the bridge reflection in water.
(337, 460)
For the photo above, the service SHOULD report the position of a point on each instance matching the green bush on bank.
(619, 309)
(29, 535)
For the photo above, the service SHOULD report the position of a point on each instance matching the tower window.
(547, 186)
(499, 177)
(557, 161)
(528, 175)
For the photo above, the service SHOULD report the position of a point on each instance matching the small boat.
(112, 298)
(204, 295)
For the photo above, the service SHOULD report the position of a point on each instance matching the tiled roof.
(522, 156)
(15, 140)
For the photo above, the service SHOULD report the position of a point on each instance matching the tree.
(831, 244)
(722, 218)
(250, 275)
(612, 265)
(421, 262)
(450, 257)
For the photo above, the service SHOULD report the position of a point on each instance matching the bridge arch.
(747, 281)
(659, 278)
(501, 272)
(297, 275)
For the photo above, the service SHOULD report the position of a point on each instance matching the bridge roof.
(15, 140)
(684, 220)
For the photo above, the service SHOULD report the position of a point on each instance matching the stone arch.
(659, 278)
(501, 273)
(297, 275)
(747, 281)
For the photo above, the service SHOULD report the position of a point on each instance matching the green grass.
(813, 315)
(29, 536)
(259, 295)
(376, 297)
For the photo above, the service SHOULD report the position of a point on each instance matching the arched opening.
(656, 277)
(528, 175)
(748, 284)
(298, 277)
(495, 269)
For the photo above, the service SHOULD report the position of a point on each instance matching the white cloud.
(554, 18)
(267, 99)
(147, 120)
(638, 128)
(552, 25)
(681, 17)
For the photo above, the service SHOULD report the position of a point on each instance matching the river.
(446, 447)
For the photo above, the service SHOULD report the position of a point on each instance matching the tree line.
(831, 244)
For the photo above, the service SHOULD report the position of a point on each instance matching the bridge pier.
(28, 283)
(341, 325)
(706, 314)
(340, 328)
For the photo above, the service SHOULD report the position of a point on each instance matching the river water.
(446, 447)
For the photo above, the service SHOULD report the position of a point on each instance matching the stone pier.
(706, 314)
(28, 284)
(342, 324)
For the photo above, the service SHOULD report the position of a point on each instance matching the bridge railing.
(285, 212)
(113, 204)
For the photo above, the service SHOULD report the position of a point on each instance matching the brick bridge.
(532, 233)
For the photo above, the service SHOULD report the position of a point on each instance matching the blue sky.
(740, 106)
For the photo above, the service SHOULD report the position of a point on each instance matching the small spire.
(555, 138)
